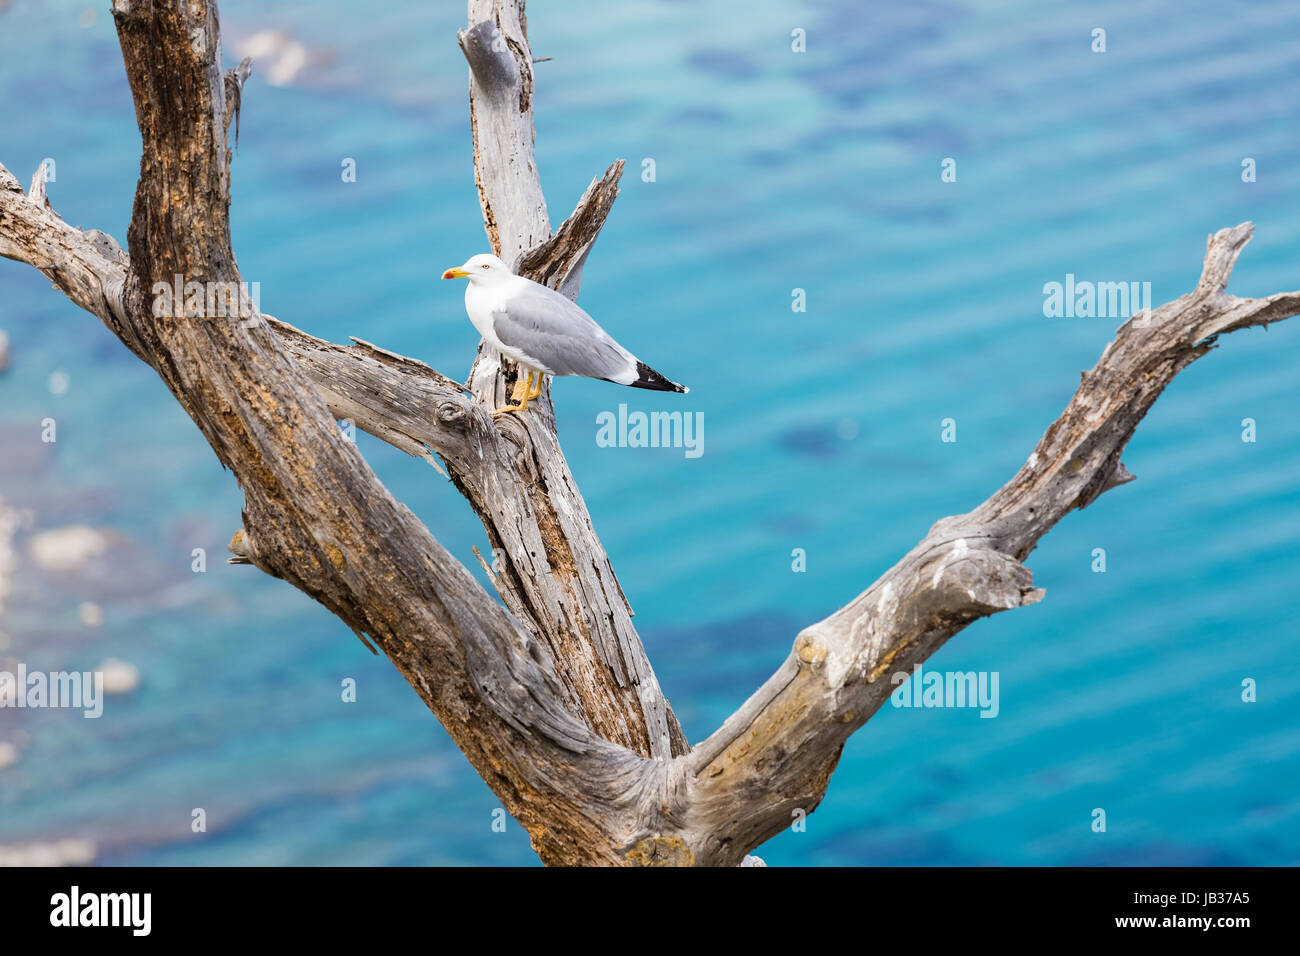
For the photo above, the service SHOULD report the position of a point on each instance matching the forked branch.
(551, 697)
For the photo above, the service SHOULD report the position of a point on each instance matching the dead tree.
(548, 691)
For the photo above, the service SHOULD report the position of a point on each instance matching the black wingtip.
(649, 378)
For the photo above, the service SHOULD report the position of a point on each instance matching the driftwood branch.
(561, 577)
(314, 512)
(785, 741)
(551, 697)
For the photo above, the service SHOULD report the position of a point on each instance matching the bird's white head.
(483, 269)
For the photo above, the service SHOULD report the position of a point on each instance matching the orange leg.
(523, 393)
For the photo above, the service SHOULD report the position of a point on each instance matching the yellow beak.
(455, 274)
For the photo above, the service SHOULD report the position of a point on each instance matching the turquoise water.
(774, 171)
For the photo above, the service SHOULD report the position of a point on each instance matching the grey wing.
(548, 328)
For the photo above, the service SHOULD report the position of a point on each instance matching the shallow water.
(774, 171)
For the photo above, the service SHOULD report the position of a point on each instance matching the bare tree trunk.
(551, 697)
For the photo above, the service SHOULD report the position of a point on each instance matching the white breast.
(480, 303)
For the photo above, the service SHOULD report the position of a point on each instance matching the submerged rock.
(280, 57)
(69, 852)
(67, 549)
(120, 677)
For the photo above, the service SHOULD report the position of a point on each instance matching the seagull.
(545, 333)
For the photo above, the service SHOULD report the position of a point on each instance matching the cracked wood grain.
(550, 697)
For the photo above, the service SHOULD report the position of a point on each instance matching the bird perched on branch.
(545, 333)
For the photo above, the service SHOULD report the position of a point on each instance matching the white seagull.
(545, 333)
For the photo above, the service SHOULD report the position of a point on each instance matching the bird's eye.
(484, 265)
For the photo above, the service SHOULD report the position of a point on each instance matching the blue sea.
(774, 170)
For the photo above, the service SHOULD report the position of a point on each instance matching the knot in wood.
(810, 649)
(661, 851)
(450, 412)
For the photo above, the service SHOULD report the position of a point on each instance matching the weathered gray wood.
(550, 698)
(558, 261)
(315, 514)
(776, 754)
(554, 572)
(562, 574)
(89, 267)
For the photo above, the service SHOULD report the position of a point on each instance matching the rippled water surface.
(773, 171)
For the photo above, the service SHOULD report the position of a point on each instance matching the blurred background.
(774, 171)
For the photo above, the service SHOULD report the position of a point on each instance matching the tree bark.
(550, 697)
